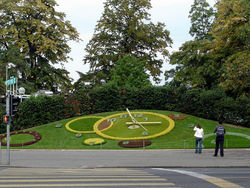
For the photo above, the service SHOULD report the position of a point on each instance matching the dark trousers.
(219, 142)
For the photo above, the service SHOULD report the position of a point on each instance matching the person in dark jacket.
(220, 132)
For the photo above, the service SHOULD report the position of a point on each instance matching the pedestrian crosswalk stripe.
(78, 176)
(79, 180)
(89, 185)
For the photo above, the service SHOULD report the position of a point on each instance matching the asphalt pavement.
(143, 158)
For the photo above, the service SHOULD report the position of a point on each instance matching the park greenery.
(181, 137)
(210, 79)
(125, 29)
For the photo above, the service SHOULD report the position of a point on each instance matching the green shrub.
(105, 98)
(2, 125)
(211, 104)
(39, 110)
(84, 99)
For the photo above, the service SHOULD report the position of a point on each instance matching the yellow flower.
(75, 131)
(93, 141)
(167, 130)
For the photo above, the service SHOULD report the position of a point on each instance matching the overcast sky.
(84, 14)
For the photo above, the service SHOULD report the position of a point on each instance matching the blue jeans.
(198, 145)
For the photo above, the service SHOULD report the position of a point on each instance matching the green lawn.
(180, 137)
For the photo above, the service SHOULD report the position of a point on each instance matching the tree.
(129, 72)
(125, 28)
(194, 64)
(201, 16)
(231, 47)
(38, 36)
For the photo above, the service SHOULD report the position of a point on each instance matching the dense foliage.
(34, 36)
(129, 72)
(201, 16)
(39, 110)
(219, 53)
(125, 29)
(210, 79)
(212, 104)
(2, 125)
(231, 31)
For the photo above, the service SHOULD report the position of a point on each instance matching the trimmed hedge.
(105, 99)
(2, 125)
(210, 104)
(39, 110)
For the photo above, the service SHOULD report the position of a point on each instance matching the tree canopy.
(201, 16)
(125, 28)
(129, 72)
(219, 54)
(231, 48)
(194, 66)
(37, 34)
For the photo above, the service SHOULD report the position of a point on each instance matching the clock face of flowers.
(143, 125)
(123, 126)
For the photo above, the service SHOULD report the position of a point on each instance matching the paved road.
(126, 158)
(125, 177)
(126, 168)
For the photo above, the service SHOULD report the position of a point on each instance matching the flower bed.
(177, 116)
(134, 143)
(67, 126)
(93, 141)
(36, 135)
(139, 137)
(104, 125)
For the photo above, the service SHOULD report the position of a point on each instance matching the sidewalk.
(171, 158)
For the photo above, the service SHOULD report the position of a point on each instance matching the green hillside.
(56, 136)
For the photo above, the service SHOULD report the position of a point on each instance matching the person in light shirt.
(199, 133)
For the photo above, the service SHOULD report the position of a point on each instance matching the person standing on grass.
(199, 133)
(220, 132)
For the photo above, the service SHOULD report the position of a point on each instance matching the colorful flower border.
(134, 143)
(179, 117)
(67, 126)
(94, 141)
(170, 127)
(36, 135)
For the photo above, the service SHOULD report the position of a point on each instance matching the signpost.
(8, 126)
(11, 89)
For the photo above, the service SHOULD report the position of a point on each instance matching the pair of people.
(199, 133)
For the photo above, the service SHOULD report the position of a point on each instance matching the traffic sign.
(11, 81)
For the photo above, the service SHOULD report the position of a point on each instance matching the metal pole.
(6, 77)
(8, 126)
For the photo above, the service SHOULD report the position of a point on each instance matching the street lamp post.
(21, 92)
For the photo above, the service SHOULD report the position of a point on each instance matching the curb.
(6, 166)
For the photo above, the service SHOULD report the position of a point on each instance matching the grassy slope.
(180, 137)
